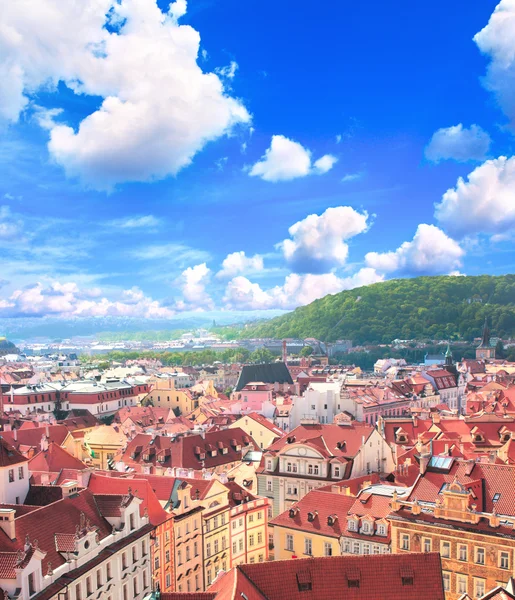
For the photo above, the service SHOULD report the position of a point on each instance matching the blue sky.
(158, 160)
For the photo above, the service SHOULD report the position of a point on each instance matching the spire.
(485, 338)
(448, 356)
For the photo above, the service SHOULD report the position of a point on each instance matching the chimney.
(69, 488)
(7, 522)
(423, 462)
(15, 431)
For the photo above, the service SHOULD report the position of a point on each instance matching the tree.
(306, 351)
(499, 350)
(261, 355)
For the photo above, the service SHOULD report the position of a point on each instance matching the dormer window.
(268, 465)
(331, 520)
(365, 528)
(381, 529)
(336, 471)
(132, 522)
(312, 515)
(352, 525)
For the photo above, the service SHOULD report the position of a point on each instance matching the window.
(21, 473)
(496, 497)
(289, 542)
(308, 546)
(445, 549)
(134, 554)
(404, 541)
(124, 561)
(215, 547)
(269, 485)
(355, 548)
(446, 581)
(32, 584)
(288, 467)
(504, 560)
(260, 515)
(208, 549)
(336, 471)
(11, 475)
(268, 465)
(251, 539)
(381, 529)
(156, 563)
(260, 537)
(135, 586)
(260, 558)
(167, 556)
(196, 582)
(234, 548)
(110, 572)
(209, 577)
(480, 556)
(240, 544)
(168, 580)
(132, 521)
(479, 587)
(125, 593)
(195, 548)
(187, 553)
(179, 557)
(89, 591)
(352, 525)
(461, 584)
(99, 579)
(143, 548)
(215, 522)
(426, 544)
(463, 553)
(366, 527)
(251, 518)
(145, 579)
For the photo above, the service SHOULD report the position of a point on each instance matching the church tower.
(485, 349)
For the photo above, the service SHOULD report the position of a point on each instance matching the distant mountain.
(420, 308)
(50, 328)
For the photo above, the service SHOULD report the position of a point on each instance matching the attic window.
(407, 580)
(353, 578)
(312, 515)
(304, 581)
(496, 497)
(331, 519)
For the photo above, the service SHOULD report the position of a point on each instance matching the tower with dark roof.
(485, 348)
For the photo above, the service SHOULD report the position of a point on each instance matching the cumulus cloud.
(318, 242)
(286, 159)
(238, 262)
(192, 284)
(69, 300)
(497, 40)
(159, 108)
(458, 143)
(297, 290)
(484, 203)
(431, 252)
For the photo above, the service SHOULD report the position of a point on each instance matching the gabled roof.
(276, 372)
(31, 438)
(9, 455)
(330, 440)
(380, 576)
(54, 459)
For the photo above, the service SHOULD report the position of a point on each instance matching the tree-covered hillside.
(444, 307)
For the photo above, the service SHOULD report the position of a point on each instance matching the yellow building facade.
(260, 429)
(102, 444)
(164, 395)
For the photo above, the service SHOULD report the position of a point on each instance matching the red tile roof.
(326, 437)
(141, 488)
(9, 455)
(32, 437)
(379, 577)
(54, 459)
(323, 505)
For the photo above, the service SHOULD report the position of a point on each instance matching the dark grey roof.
(267, 373)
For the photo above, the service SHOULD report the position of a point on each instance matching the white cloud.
(484, 203)
(10, 226)
(431, 252)
(325, 163)
(69, 300)
(192, 284)
(286, 159)
(238, 262)
(318, 242)
(297, 290)
(497, 39)
(352, 177)
(458, 143)
(229, 71)
(159, 108)
(143, 222)
(338, 138)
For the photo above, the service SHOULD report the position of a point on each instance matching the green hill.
(420, 308)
